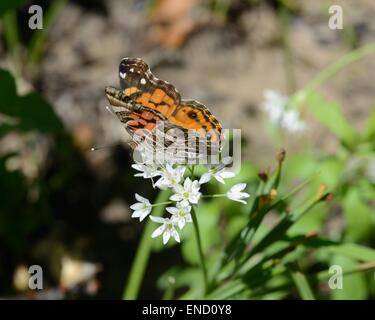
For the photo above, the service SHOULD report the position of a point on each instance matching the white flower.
(147, 170)
(180, 214)
(218, 174)
(235, 193)
(187, 193)
(170, 176)
(167, 229)
(276, 105)
(142, 208)
(291, 121)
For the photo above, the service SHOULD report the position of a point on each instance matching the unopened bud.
(281, 156)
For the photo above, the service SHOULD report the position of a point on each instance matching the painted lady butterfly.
(146, 104)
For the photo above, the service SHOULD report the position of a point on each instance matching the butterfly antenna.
(103, 147)
(110, 110)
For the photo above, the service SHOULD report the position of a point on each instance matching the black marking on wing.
(134, 72)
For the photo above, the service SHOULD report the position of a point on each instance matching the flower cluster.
(185, 194)
(276, 105)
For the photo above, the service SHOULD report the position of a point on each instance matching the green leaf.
(359, 217)
(8, 93)
(37, 114)
(300, 164)
(287, 220)
(309, 222)
(330, 115)
(32, 110)
(331, 172)
(352, 250)
(302, 285)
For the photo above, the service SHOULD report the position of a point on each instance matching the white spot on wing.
(122, 75)
(131, 70)
(143, 81)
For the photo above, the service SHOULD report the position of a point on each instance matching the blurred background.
(66, 208)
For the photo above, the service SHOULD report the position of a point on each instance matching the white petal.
(158, 219)
(239, 200)
(137, 206)
(187, 184)
(235, 197)
(186, 209)
(227, 174)
(172, 210)
(195, 186)
(219, 178)
(166, 236)
(138, 167)
(139, 175)
(136, 214)
(157, 232)
(205, 178)
(160, 186)
(181, 170)
(175, 235)
(188, 218)
(194, 198)
(181, 223)
(184, 203)
(161, 183)
(141, 214)
(176, 197)
(238, 187)
(178, 188)
(244, 195)
(141, 199)
(231, 196)
(174, 219)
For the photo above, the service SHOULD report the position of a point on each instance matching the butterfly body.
(146, 102)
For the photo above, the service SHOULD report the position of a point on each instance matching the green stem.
(143, 253)
(161, 203)
(200, 251)
(302, 285)
(191, 169)
(219, 195)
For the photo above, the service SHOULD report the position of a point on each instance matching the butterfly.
(151, 108)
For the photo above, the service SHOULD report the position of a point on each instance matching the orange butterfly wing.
(144, 88)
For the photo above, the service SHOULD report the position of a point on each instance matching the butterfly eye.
(192, 114)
